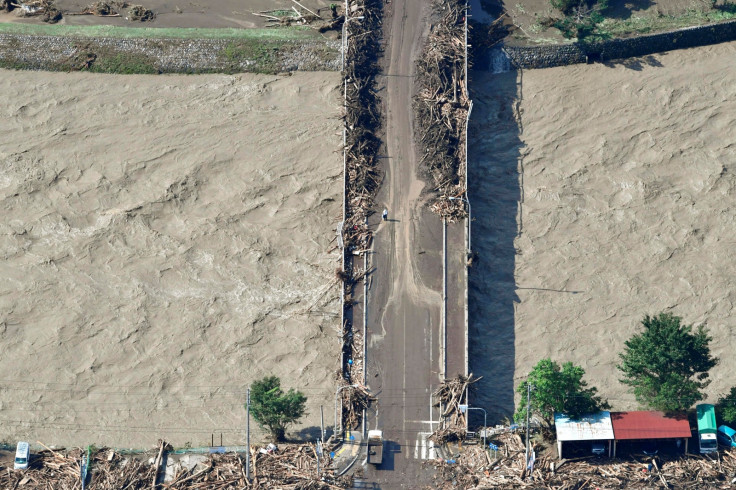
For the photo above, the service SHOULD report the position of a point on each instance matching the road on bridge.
(404, 316)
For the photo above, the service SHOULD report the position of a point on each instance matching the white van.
(22, 455)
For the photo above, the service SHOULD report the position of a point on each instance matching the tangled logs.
(441, 107)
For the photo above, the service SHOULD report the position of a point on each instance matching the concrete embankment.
(613, 49)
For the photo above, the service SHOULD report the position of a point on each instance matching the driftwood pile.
(36, 8)
(448, 397)
(354, 399)
(102, 9)
(291, 466)
(441, 108)
(476, 468)
(301, 15)
(362, 119)
(139, 13)
(362, 178)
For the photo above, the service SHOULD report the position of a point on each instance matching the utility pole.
(318, 451)
(247, 437)
(528, 398)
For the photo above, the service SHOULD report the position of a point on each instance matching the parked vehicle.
(726, 436)
(650, 448)
(375, 447)
(707, 428)
(22, 455)
(598, 448)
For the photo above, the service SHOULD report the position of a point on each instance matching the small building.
(592, 428)
(649, 425)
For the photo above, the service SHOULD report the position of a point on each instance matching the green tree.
(581, 16)
(726, 407)
(667, 364)
(275, 409)
(558, 389)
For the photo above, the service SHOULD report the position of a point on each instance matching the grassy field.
(637, 25)
(534, 20)
(295, 33)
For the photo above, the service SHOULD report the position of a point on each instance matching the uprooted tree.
(666, 365)
(556, 388)
(273, 408)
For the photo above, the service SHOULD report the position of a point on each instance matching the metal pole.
(247, 436)
(322, 421)
(319, 453)
(528, 398)
(444, 299)
(485, 427)
(470, 219)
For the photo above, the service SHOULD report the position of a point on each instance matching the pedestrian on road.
(385, 215)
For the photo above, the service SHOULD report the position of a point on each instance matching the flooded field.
(600, 193)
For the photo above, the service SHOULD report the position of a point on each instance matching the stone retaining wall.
(167, 55)
(568, 54)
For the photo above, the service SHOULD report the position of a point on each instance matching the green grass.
(647, 25)
(284, 33)
(124, 63)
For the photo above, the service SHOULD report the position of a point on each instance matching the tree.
(274, 409)
(726, 407)
(558, 389)
(580, 16)
(667, 364)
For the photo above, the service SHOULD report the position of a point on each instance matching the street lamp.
(337, 393)
(470, 218)
(465, 408)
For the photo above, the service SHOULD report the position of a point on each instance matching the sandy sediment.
(236, 14)
(165, 241)
(602, 193)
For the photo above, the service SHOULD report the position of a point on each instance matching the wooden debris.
(37, 8)
(449, 396)
(290, 467)
(99, 9)
(140, 13)
(354, 399)
(441, 108)
(474, 469)
(362, 120)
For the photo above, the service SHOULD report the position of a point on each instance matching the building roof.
(593, 427)
(649, 425)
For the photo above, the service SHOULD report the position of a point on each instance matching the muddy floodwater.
(600, 193)
(165, 241)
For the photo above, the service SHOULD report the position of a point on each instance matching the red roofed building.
(649, 425)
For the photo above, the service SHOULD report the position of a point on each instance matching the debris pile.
(441, 108)
(448, 397)
(361, 49)
(362, 119)
(290, 466)
(140, 13)
(100, 9)
(354, 399)
(36, 8)
(476, 468)
(303, 16)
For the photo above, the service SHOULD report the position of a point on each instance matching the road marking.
(423, 447)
